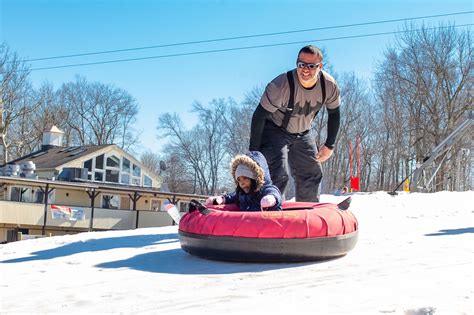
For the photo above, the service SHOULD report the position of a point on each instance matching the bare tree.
(151, 160)
(100, 113)
(49, 112)
(178, 176)
(239, 119)
(21, 138)
(14, 93)
(422, 90)
(423, 85)
(202, 147)
(355, 111)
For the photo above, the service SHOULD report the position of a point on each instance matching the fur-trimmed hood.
(257, 163)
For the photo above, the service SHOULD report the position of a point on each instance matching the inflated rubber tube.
(315, 231)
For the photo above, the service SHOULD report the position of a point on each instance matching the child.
(255, 190)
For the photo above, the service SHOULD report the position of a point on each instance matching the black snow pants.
(298, 151)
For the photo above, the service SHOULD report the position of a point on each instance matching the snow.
(414, 256)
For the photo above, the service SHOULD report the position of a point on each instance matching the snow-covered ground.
(414, 256)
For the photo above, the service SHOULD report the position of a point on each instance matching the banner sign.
(67, 213)
(173, 212)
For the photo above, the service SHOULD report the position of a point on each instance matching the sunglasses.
(312, 66)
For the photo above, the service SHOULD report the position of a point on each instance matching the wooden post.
(92, 195)
(46, 192)
(136, 196)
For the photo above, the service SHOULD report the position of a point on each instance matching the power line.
(239, 48)
(249, 36)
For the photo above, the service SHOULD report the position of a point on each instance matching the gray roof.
(51, 156)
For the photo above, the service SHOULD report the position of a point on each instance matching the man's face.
(305, 62)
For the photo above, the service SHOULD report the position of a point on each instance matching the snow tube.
(303, 231)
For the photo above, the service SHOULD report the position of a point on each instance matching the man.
(281, 124)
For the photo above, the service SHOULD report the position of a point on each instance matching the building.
(107, 186)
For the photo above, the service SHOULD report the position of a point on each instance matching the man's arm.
(256, 129)
(334, 118)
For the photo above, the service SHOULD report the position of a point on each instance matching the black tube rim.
(250, 249)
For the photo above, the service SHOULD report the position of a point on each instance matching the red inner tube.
(311, 220)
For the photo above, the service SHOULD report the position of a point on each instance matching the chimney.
(52, 137)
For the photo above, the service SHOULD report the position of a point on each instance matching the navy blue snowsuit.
(264, 186)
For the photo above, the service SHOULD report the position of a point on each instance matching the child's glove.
(268, 201)
(215, 200)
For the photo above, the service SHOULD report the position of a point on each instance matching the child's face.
(245, 183)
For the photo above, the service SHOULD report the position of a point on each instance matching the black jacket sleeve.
(334, 118)
(256, 129)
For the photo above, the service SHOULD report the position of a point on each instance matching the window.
(88, 165)
(118, 169)
(125, 179)
(137, 171)
(113, 161)
(15, 194)
(112, 176)
(26, 194)
(20, 194)
(99, 162)
(137, 174)
(125, 165)
(38, 196)
(99, 176)
(110, 201)
(155, 204)
(147, 181)
(136, 181)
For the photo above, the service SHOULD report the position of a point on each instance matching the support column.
(46, 193)
(92, 195)
(136, 196)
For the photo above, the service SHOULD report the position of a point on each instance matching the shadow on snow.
(177, 261)
(95, 245)
(452, 232)
(172, 261)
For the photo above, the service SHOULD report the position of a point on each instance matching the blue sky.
(41, 28)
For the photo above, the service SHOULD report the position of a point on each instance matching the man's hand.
(324, 153)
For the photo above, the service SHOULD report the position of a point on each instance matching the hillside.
(414, 256)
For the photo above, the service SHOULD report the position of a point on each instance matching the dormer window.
(116, 169)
